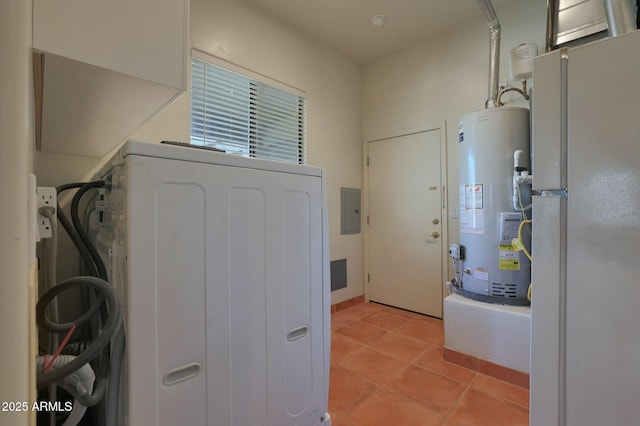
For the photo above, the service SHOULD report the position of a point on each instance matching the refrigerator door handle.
(560, 193)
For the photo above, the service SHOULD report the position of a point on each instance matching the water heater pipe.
(522, 91)
(520, 176)
(621, 16)
(516, 165)
(516, 159)
(494, 51)
(552, 23)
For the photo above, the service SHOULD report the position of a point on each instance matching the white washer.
(222, 265)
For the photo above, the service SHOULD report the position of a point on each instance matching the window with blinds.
(241, 115)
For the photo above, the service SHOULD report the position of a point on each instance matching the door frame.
(444, 197)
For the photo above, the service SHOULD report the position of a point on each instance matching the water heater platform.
(498, 334)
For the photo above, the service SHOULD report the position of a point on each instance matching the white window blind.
(241, 115)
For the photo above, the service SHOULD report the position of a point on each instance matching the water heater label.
(473, 196)
(509, 259)
(481, 274)
(460, 132)
(508, 224)
(472, 220)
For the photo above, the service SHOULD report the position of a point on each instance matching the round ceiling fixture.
(378, 20)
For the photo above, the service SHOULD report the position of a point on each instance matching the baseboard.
(347, 304)
(497, 371)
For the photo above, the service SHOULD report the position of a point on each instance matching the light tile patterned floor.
(387, 368)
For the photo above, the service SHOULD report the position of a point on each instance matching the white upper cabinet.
(108, 66)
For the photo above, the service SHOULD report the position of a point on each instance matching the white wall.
(17, 252)
(444, 78)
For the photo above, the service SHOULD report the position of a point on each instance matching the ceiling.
(345, 25)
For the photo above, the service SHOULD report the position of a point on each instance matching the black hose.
(83, 245)
(49, 325)
(115, 367)
(75, 218)
(111, 325)
(75, 238)
(96, 267)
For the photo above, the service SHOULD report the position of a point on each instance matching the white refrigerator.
(585, 356)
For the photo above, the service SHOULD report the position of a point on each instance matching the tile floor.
(387, 368)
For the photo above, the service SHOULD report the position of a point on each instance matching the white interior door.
(405, 197)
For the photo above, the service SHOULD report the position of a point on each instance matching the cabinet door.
(142, 38)
(108, 66)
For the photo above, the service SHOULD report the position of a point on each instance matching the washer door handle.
(297, 333)
(180, 374)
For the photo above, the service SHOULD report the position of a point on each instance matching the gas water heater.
(490, 265)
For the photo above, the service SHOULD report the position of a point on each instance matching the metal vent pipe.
(621, 16)
(494, 51)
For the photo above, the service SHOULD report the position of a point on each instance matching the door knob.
(435, 234)
(435, 221)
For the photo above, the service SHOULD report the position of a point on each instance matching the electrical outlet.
(46, 197)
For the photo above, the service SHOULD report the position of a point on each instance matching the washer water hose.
(111, 325)
(106, 351)
(115, 367)
(75, 218)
